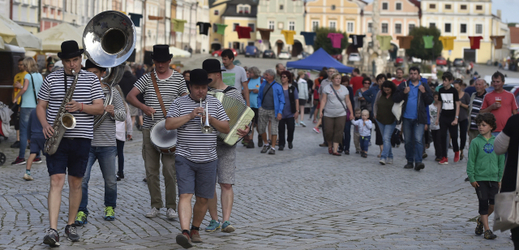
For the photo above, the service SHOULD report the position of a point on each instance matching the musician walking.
(103, 149)
(72, 153)
(160, 88)
(226, 154)
(196, 159)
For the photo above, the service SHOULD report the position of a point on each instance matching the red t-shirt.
(475, 41)
(502, 114)
(243, 32)
(356, 83)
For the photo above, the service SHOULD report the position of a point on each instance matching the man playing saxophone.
(72, 153)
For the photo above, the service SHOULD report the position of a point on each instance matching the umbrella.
(53, 37)
(178, 52)
(14, 34)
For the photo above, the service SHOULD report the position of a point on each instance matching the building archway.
(279, 46)
(297, 48)
(216, 46)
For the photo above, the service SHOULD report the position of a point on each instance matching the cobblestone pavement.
(301, 198)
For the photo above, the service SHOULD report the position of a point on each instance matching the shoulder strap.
(154, 80)
(339, 99)
(229, 88)
(33, 89)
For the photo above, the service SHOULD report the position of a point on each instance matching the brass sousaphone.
(109, 39)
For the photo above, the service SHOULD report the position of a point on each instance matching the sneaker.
(195, 236)
(456, 156)
(16, 144)
(260, 141)
(227, 227)
(71, 233)
(438, 159)
(479, 226)
(316, 130)
(408, 166)
(424, 155)
(357, 152)
(467, 179)
(382, 161)
(419, 166)
(37, 160)
(389, 161)
(265, 149)
(444, 161)
(120, 175)
(213, 226)
(272, 151)
(489, 235)
(18, 161)
(51, 238)
(152, 213)
(184, 240)
(81, 218)
(171, 214)
(109, 213)
(303, 124)
(27, 177)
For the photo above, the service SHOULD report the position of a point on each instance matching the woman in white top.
(302, 87)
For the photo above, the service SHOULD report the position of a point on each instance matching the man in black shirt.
(449, 112)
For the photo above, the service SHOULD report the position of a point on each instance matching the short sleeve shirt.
(508, 104)
(333, 107)
(192, 144)
(28, 97)
(234, 77)
(254, 84)
(88, 89)
(170, 89)
(448, 98)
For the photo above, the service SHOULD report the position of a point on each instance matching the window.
(447, 28)
(216, 12)
(252, 27)
(349, 27)
(315, 25)
(333, 7)
(479, 7)
(479, 29)
(333, 25)
(411, 26)
(463, 28)
(448, 6)
(271, 25)
(234, 25)
(398, 28)
(432, 25)
(385, 6)
(370, 27)
(291, 25)
(398, 6)
(463, 6)
(432, 6)
(281, 7)
(384, 28)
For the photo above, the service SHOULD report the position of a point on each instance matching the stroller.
(5, 118)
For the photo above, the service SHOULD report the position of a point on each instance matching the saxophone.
(63, 120)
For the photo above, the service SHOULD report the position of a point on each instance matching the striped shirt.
(88, 89)
(476, 107)
(104, 134)
(170, 89)
(192, 144)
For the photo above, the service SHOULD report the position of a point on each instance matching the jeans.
(106, 158)
(346, 137)
(120, 157)
(387, 131)
(290, 126)
(25, 114)
(413, 133)
(364, 143)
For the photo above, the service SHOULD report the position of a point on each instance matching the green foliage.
(418, 47)
(322, 41)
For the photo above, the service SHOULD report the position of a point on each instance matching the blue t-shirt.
(412, 102)
(254, 84)
(287, 111)
(28, 100)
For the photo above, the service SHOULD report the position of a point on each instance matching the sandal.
(336, 154)
(330, 151)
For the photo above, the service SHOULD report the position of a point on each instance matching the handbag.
(397, 108)
(347, 111)
(506, 209)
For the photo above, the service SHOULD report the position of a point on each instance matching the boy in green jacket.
(485, 170)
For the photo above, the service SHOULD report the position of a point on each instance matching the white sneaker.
(171, 214)
(152, 213)
(27, 177)
(303, 124)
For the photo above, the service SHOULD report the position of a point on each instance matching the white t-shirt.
(234, 77)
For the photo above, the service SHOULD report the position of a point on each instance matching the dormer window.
(243, 8)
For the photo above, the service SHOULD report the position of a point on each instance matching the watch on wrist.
(457, 117)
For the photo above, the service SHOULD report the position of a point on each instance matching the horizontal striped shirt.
(104, 134)
(192, 144)
(476, 107)
(88, 89)
(170, 89)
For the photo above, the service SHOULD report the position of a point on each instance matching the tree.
(322, 41)
(418, 47)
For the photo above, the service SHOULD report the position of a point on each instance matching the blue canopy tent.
(317, 61)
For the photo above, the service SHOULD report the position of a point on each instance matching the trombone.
(204, 126)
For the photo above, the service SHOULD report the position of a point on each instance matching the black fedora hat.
(199, 77)
(212, 65)
(161, 53)
(89, 64)
(69, 49)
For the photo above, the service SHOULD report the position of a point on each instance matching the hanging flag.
(475, 41)
(404, 42)
(136, 19)
(385, 42)
(357, 40)
(243, 31)
(220, 28)
(203, 27)
(428, 42)
(448, 42)
(289, 36)
(178, 24)
(498, 41)
(336, 39)
(265, 33)
(309, 37)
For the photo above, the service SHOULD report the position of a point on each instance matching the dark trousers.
(290, 125)
(120, 157)
(445, 125)
(464, 126)
(346, 137)
(322, 129)
(437, 143)
(515, 237)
